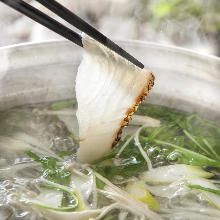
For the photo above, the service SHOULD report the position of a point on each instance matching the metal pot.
(43, 72)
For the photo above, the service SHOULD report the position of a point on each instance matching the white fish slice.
(108, 91)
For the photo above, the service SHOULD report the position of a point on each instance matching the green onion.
(215, 191)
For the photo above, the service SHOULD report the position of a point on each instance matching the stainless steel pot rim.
(137, 43)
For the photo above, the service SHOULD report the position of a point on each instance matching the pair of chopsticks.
(64, 31)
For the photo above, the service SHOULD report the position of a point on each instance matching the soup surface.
(165, 167)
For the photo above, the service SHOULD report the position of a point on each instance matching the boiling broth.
(40, 175)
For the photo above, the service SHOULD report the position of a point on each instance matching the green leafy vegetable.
(110, 155)
(69, 206)
(99, 184)
(195, 139)
(61, 105)
(192, 157)
(211, 149)
(62, 154)
(110, 218)
(196, 142)
(129, 164)
(182, 138)
(215, 191)
(51, 170)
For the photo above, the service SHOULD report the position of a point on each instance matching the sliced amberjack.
(108, 91)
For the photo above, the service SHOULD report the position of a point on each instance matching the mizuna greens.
(167, 169)
(182, 138)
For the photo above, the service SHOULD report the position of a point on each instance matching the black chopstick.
(45, 20)
(71, 18)
(76, 21)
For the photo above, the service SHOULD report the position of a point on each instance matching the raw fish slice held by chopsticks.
(108, 91)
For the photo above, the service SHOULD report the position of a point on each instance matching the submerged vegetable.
(215, 191)
(111, 188)
(51, 170)
(73, 204)
(171, 173)
(108, 90)
(177, 140)
(186, 137)
(62, 104)
(82, 215)
(208, 190)
(139, 192)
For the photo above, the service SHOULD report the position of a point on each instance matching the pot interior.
(45, 72)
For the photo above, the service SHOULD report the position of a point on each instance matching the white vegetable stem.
(125, 200)
(108, 209)
(144, 154)
(144, 120)
(171, 173)
(124, 146)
